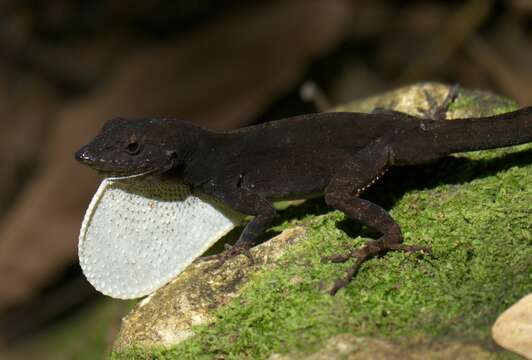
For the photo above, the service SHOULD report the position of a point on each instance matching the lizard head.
(133, 147)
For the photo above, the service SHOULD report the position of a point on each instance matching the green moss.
(462, 101)
(477, 103)
(476, 216)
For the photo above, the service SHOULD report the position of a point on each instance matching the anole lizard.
(337, 155)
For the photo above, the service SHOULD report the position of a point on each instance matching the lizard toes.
(336, 258)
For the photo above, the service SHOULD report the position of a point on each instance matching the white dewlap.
(138, 235)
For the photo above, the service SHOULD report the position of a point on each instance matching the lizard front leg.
(248, 203)
(356, 174)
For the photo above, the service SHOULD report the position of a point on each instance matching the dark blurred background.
(67, 66)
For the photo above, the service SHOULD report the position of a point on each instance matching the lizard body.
(337, 155)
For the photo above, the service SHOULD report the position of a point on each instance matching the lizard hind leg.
(375, 217)
(342, 194)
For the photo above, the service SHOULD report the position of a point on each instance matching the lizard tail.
(472, 134)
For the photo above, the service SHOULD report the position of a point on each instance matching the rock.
(412, 99)
(165, 317)
(513, 328)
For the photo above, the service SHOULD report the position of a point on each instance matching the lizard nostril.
(83, 155)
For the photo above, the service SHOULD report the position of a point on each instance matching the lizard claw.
(235, 250)
(371, 249)
(229, 252)
(411, 249)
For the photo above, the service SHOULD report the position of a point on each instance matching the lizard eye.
(133, 148)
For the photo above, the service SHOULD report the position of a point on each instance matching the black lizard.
(337, 155)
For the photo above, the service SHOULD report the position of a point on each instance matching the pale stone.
(513, 328)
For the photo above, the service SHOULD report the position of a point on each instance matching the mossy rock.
(472, 209)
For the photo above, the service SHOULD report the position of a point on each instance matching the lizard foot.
(229, 252)
(371, 249)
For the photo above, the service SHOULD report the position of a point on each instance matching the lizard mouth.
(146, 174)
(122, 168)
(126, 174)
(114, 168)
(131, 176)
